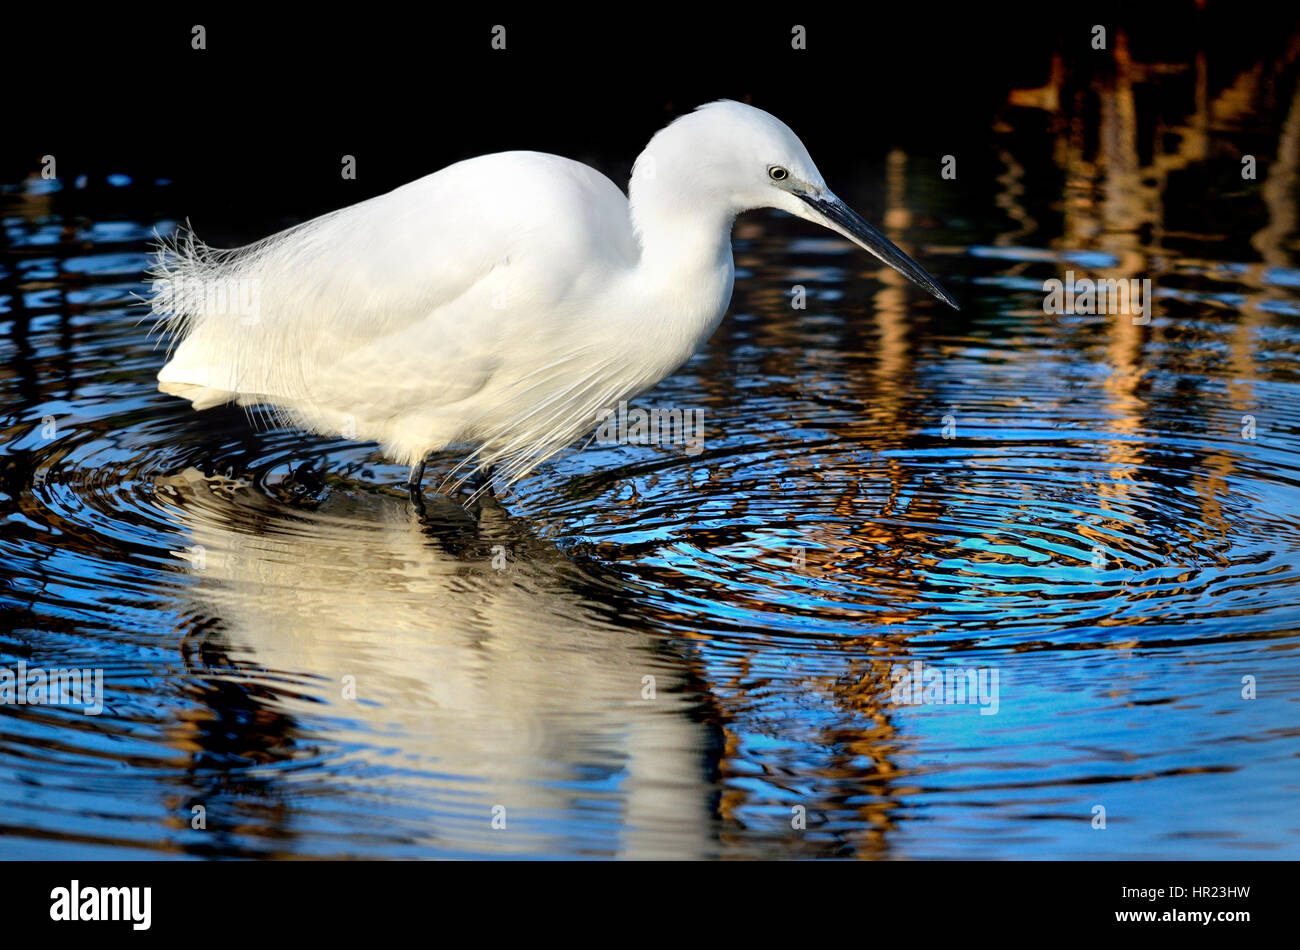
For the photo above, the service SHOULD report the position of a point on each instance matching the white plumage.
(498, 304)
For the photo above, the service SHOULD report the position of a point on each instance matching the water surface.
(641, 652)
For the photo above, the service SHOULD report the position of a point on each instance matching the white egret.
(500, 304)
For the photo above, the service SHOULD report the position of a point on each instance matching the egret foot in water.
(479, 481)
(414, 486)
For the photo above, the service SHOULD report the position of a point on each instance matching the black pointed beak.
(840, 217)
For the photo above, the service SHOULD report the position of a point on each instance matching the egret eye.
(777, 173)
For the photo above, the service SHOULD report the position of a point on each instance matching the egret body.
(499, 304)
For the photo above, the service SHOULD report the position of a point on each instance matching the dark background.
(251, 130)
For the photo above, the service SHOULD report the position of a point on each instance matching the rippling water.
(641, 652)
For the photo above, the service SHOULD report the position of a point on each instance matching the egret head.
(734, 157)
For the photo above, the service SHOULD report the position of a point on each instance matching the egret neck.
(685, 270)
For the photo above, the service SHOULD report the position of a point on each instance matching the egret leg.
(481, 479)
(414, 484)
